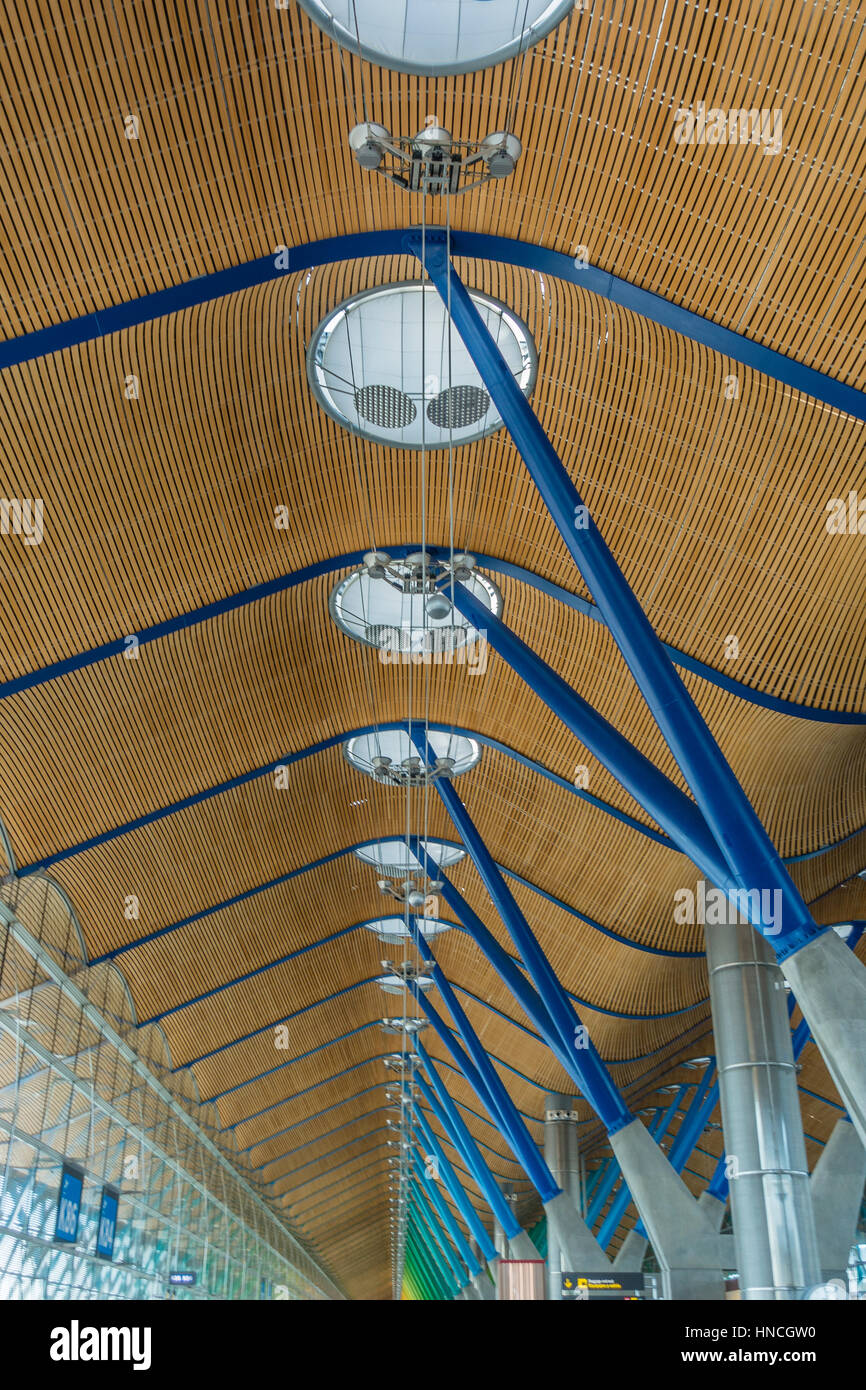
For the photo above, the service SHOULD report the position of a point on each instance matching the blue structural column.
(448, 1116)
(749, 852)
(830, 987)
(587, 1068)
(572, 1233)
(455, 1187)
(455, 1234)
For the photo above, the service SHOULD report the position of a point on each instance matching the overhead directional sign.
(586, 1287)
(182, 1276)
(107, 1227)
(69, 1204)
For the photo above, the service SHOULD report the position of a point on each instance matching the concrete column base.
(837, 1183)
(521, 1248)
(578, 1247)
(484, 1290)
(682, 1235)
(629, 1257)
(693, 1285)
(830, 986)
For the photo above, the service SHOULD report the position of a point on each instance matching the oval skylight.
(447, 36)
(395, 745)
(386, 614)
(392, 858)
(395, 932)
(379, 364)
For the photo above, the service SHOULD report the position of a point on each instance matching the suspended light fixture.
(394, 932)
(389, 755)
(437, 40)
(433, 161)
(388, 365)
(385, 603)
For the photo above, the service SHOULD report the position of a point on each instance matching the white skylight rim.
(394, 929)
(366, 367)
(453, 36)
(372, 611)
(392, 858)
(396, 744)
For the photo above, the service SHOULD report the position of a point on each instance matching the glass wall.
(81, 1087)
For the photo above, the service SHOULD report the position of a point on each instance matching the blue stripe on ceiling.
(475, 245)
(220, 607)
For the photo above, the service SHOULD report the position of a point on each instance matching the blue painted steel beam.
(202, 289)
(750, 854)
(443, 1211)
(459, 1196)
(585, 1064)
(456, 1189)
(434, 1224)
(339, 854)
(350, 560)
(612, 1170)
(471, 1071)
(622, 1198)
(446, 1113)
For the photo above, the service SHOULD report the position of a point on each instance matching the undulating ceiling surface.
(200, 506)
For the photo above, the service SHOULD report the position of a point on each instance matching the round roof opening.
(379, 364)
(393, 858)
(390, 609)
(389, 755)
(394, 931)
(449, 36)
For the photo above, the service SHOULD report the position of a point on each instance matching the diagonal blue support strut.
(587, 1068)
(750, 854)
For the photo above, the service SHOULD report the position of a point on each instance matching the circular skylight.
(379, 364)
(368, 753)
(395, 932)
(389, 612)
(443, 37)
(392, 858)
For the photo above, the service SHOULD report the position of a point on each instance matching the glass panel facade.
(80, 1085)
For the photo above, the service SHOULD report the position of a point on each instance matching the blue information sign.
(69, 1204)
(182, 1276)
(107, 1224)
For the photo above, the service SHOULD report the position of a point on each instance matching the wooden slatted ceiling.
(715, 509)
(242, 146)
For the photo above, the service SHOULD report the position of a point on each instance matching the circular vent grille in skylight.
(366, 367)
(437, 36)
(393, 859)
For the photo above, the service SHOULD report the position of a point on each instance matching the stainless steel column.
(771, 1203)
(563, 1159)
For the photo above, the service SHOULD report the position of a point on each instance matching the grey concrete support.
(837, 1183)
(771, 1204)
(570, 1243)
(829, 983)
(714, 1208)
(520, 1247)
(629, 1257)
(484, 1290)
(500, 1239)
(682, 1236)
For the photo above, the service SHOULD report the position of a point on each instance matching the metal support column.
(561, 1150)
(771, 1203)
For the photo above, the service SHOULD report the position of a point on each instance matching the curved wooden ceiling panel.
(161, 501)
